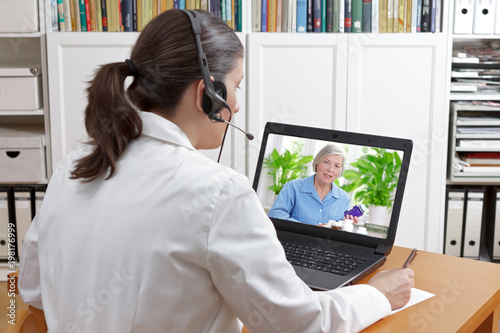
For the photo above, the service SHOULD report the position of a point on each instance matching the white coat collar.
(160, 128)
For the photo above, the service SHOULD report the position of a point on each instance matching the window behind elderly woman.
(315, 199)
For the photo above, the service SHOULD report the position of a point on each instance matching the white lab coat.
(173, 242)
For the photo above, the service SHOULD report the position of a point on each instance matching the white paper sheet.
(417, 296)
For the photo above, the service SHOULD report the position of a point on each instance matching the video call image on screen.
(365, 188)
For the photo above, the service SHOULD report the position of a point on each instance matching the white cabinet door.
(296, 79)
(396, 87)
(72, 61)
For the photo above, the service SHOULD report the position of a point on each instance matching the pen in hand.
(410, 258)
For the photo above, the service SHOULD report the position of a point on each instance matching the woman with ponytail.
(140, 232)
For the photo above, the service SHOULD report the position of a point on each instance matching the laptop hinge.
(382, 249)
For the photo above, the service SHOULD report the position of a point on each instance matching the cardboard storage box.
(19, 16)
(22, 154)
(20, 88)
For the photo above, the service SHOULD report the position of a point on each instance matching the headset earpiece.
(207, 102)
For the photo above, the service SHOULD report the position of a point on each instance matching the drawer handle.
(13, 154)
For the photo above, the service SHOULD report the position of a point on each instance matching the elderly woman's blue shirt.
(299, 201)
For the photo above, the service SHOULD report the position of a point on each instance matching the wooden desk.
(467, 295)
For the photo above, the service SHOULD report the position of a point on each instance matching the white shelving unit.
(477, 111)
(20, 49)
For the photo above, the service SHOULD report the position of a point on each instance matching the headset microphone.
(219, 119)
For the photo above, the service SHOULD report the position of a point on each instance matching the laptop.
(328, 254)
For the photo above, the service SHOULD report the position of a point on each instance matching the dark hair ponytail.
(110, 120)
(164, 64)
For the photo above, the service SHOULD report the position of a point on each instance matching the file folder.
(463, 16)
(473, 223)
(454, 221)
(4, 222)
(493, 223)
(484, 17)
(23, 216)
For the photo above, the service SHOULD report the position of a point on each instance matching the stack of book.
(132, 15)
(476, 70)
(384, 16)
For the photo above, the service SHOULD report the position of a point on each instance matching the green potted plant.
(373, 179)
(285, 167)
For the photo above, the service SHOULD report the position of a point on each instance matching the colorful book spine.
(357, 16)
(382, 16)
(301, 15)
(67, 15)
(408, 19)
(77, 15)
(348, 16)
(93, 26)
(367, 16)
(341, 16)
(176, 4)
(426, 18)
(240, 16)
(336, 16)
(73, 15)
(279, 6)
(256, 14)
(263, 21)
(87, 15)
(414, 5)
(104, 15)
(375, 15)
(323, 15)
(395, 12)
(439, 13)
(99, 15)
(329, 15)
(55, 15)
(419, 15)
(271, 15)
(310, 20)
(182, 4)
(284, 16)
(433, 16)
(390, 16)
(60, 15)
(127, 8)
(83, 16)
(229, 14)
(402, 16)
(317, 16)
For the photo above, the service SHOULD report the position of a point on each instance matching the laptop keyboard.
(322, 260)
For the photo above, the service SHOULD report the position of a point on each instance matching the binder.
(473, 222)
(39, 196)
(484, 17)
(493, 223)
(4, 222)
(463, 16)
(23, 216)
(455, 204)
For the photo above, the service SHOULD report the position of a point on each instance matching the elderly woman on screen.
(316, 199)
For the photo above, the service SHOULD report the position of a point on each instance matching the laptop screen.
(340, 181)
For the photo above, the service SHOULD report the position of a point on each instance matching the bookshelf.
(388, 84)
(469, 115)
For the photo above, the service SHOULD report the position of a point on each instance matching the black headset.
(214, 97)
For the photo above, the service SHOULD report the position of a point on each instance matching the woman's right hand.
(395, 284)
